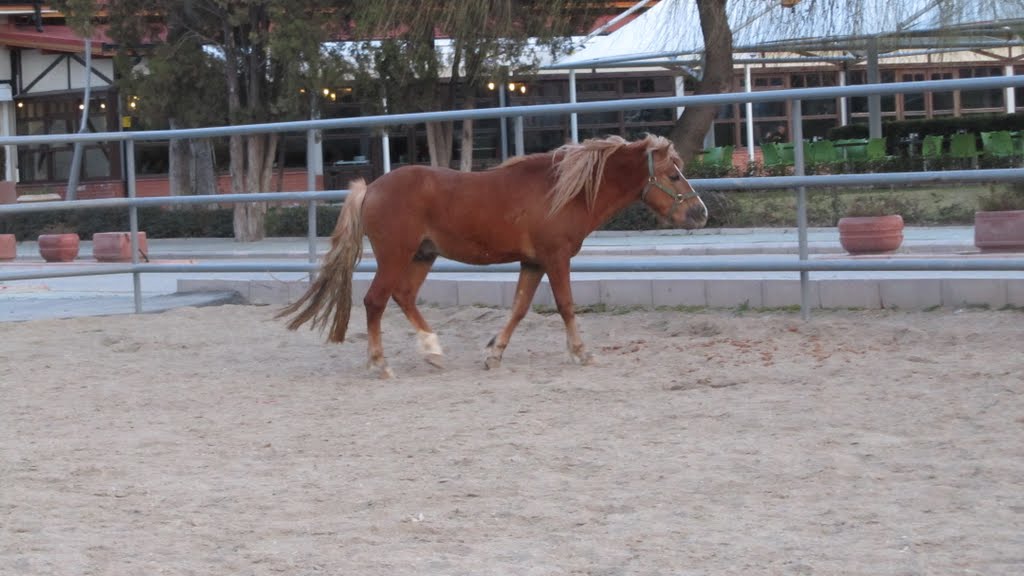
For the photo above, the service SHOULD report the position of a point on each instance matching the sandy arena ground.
(214, 442)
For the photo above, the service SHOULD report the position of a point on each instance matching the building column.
(843, 115)
(874, 100)
(1011, 94)
(8, 128)
(750, 112)
(680, 91)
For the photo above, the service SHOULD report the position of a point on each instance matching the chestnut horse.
(535, 210)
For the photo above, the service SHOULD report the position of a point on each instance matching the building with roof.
(651, 49)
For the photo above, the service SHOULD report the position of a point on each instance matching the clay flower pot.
(8, 247)
(1001, 230)
(58, 247)
(117, 246)
(871, 234)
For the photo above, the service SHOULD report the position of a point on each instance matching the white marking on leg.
(428, 343)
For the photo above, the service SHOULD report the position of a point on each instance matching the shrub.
(1001, 198)
(898, 130)
(294, 220)
(882, 205)
(156, 222)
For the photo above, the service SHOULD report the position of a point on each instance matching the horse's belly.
(474, 252)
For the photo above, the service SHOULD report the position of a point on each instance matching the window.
(1019, 92)
(913, 102)
(943, 103)
(981, 99)
(625, 122)
(62, 115)
(859, 104)
(816, 107)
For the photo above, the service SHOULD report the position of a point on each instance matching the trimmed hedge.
(897, 130)
(293, 220)
(164, 223)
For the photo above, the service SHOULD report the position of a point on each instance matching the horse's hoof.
(492, 363)
(382, 371)
(584, 359)
(435, 360)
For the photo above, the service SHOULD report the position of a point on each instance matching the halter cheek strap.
(677, 198)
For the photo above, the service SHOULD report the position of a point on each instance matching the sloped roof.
(672, 28)
(53, 38)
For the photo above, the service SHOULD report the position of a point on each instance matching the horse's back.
(431, 183)
(479, 217)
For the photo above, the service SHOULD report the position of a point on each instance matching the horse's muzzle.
(696, 216)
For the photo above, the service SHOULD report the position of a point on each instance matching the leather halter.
(677, 199)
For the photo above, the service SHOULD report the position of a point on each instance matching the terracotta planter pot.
(871, 234)
(1003, 230)
(8, 192)
(58, 247)
(8, 247)
(117, 246)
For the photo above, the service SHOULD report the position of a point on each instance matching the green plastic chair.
(931, 147)
(770, 154)
(787, 154)
(854, 149)
(725, 157)
(998, 144)
(963, 146)
(876, 150)
(822, 152)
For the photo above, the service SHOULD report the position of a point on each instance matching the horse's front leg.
(561, 288)
(526, 287)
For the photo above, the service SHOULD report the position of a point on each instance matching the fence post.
(801, 205)
(503, 122)
(574, 129)
(519, 136)
(133, 224)
(311, 205)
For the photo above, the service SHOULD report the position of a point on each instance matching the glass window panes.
(974, 99)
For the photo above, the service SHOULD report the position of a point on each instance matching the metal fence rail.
(663, 264)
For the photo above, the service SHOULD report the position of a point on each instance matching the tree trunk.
(238, 186)
(178, 162)
(716, 78)
(466, 154)
(204, 174)
(440, 134)
(236, 143)
(250, 217)
(270, 142)
(439, 143)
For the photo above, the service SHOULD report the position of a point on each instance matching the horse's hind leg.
(376, 300)
(405, 297)
(526, 287)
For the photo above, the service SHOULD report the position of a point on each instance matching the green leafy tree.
(266, 53)
(489, 41)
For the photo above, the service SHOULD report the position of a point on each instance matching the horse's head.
(666, 191)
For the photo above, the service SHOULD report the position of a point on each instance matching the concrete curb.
(907, 291)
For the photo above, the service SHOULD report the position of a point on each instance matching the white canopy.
(672, 28)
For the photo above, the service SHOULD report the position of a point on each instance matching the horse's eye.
(675, 177)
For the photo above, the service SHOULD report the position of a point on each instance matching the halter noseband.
(677, 199)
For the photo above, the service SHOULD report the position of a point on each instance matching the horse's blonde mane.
(580, 167)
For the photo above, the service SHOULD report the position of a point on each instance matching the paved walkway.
(717, 241)
(99, 295)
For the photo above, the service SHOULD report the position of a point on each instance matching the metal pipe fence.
(799, 181)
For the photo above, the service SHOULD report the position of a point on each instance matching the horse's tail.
(332, 288)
